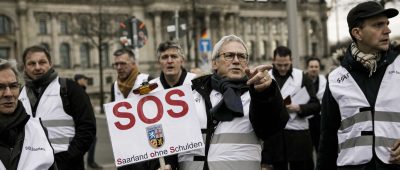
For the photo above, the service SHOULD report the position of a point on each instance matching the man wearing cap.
(361, 105)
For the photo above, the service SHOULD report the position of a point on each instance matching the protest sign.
(153, 125)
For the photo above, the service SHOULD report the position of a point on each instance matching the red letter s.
(181, 103)
(124, 115)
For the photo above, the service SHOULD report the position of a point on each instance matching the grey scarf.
(34, 88)
(369, 61)
(231, 105)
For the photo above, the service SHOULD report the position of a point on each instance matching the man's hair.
(282, 51)
(168, 45)
(5, 64)
(313, 59)
(224, 40)
(123, 51)
(34, 49)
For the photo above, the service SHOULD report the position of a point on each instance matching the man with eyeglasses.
(292, 146)
(62, 105)
(236, 108)
(129, 77)
(23, 141)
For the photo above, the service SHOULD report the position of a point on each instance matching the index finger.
(261, 68)
(264, 67)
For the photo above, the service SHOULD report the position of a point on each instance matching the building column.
(157, 27)
(23, 20)
(282, 33)
(236, 27)
(257, 40)
(271, 39)
(222, 24)
(54, 39)
(307, 26)
(207, 21)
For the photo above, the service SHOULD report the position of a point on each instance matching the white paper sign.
(153, 125)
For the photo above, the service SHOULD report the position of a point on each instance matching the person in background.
(361, 105)
(22, 139)
(129, 77)
(236, 108)
(171, 60)
(292, 146)
(313, 65)
(82, 81)
(64, 108)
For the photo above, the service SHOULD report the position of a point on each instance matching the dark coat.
(293, 145)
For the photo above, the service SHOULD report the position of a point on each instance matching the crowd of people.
(271, 117)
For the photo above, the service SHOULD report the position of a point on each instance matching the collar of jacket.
(180, 81)
(350, 63)
(202, 85)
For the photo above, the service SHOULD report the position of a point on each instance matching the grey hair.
(222, 41)
(168, 45)
(5, 64)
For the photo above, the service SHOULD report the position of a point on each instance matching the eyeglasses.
(229, 56)
(165, 57)
(122, 64)
(14, 87)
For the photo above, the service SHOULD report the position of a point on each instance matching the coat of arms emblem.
(155, 136)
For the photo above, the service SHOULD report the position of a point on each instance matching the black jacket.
(12, 139)
(330, 118)
(293, 145)
(81, 111)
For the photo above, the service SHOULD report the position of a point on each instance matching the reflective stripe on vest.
(291, 87)
(36, 151)
(233, 141)
(356, 133)
(60, 125)
(139, 80)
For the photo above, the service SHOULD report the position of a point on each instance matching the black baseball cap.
(80, 76)
(367, 10)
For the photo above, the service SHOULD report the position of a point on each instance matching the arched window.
(65, 57)
(85, 55)
(43, 26)
(5, 25)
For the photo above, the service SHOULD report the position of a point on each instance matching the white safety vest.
(321, 87)
(60, 125)
(357, 116)
(36, 152)
(187, 81)
(234, 145)
(291, 87)
(139, 80)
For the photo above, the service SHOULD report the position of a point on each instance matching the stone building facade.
(73, 30)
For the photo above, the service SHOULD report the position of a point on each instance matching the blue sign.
(205, 45)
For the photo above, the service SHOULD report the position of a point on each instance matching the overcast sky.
(343, 8)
